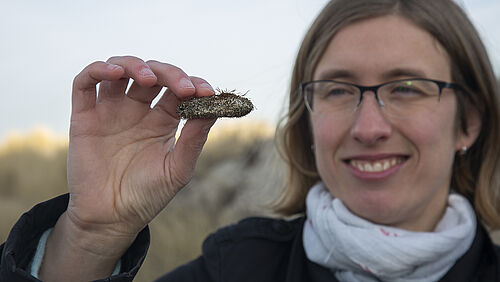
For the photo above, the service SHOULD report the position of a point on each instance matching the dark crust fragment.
(225, 104)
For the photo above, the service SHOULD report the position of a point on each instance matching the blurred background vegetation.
(238, 173)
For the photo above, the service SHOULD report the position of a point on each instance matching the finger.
(136, 69)
(189, 146)
(174, 78)
(84, 85)
(112, 90)
(203, 88)
(166, 107)
(143, 94)
(147, 94)
(164, 118)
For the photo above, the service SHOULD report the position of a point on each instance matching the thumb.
(188, 147)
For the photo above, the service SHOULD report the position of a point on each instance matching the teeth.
(387, 165)
(376, 166)
(368, 167)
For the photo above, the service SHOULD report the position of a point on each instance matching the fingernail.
(206, 85)
(113, 67)
(146, 72)
(186, 83)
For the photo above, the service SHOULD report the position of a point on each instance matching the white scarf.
(358, 250)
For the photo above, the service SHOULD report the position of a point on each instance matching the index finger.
(174, 78)
(84, 85)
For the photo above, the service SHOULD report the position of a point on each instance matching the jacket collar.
(302, 269)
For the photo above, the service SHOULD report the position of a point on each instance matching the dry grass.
(32, 166)
(226, 187)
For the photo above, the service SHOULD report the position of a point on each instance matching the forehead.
(383, 48)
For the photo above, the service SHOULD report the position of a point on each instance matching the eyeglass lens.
(403, 99)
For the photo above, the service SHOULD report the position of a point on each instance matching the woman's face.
(416, 154)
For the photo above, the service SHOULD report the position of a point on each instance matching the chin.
(379, 209)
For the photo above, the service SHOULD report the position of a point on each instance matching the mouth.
(375, 165)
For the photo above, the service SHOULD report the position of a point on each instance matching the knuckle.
(75, 81)
(113, 59)
(173, 69)
(153, 62)
(197, 79)
(88, 73)
(170, 68)
(97, 64)
(92, 67)
(124, 59)
(166, 68)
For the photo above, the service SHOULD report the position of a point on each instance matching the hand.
(124, 165)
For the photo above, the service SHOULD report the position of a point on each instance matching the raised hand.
(124, 164)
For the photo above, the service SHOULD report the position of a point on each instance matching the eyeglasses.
(406, 98)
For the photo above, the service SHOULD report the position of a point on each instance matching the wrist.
(76, 254)
(94, 239)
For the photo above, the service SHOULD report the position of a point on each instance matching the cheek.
(322, 133)
(328, 135)
(436, 130)
(425, 134)
(433, 140)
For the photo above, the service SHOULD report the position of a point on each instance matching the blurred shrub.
(33, 167)
(236, 173)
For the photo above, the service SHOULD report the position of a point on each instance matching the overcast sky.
(246, 45)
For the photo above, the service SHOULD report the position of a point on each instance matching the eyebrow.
(386, 76)
(336, 74)
(403, 72)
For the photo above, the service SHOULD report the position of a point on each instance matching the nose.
(370, 125)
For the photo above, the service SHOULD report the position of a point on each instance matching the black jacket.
(255, 249)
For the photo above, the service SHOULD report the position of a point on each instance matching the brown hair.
(476, 175)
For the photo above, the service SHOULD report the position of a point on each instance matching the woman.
(392, 136)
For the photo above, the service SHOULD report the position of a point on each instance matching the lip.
(372, 175)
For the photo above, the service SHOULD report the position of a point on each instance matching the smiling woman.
(379, 157)
(427, 46)
(391, 142)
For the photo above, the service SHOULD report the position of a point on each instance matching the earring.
(313, 147)
(463, 150)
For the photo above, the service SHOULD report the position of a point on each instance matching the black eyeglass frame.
(362, 89)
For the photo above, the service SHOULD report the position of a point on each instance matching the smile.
(376, 165)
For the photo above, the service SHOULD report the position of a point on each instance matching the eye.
(335, 90)
(406, 89)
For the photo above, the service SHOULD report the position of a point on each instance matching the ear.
(473, 128)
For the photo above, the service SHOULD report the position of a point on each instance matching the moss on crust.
(224, 104)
